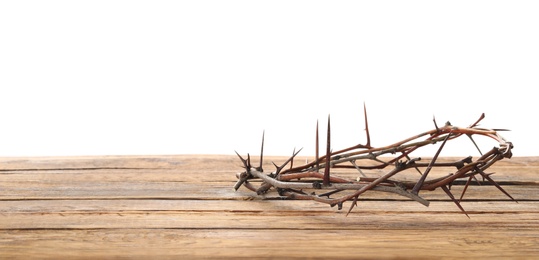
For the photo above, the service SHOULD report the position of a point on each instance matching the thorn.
(454, 200)
(245, 164)
(279, 168)
(357, 168)
(292, 161)
(328, 155)
(317, 145)
(261, 153)
(473, 141)
(487, 176)
(354, 203)
(366, 126)
(329, 193)
(465, 188)
(413, 160)
(478, 120)
(476, 180)
(435, 125)
(418, 185)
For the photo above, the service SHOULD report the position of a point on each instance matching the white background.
(207, 77)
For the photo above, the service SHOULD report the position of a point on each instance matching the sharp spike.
(317, 147)
(328, 155)
(329, 193)
(409, 159)
(476, 180)
(435, 124)
(448, 192)
(419, 183)
(292, 161)
(261, 153)
(478, 120)
(465, 188)
(245, 164)
(354, 203)
(486, 176)
(357, 168)
(476, 146)
(366, 125)
(279, 168)
(241, 158)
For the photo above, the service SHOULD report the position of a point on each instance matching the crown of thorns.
(304, 181)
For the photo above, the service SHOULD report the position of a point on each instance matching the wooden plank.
(262, 218)
(262, 206)
(223, 191)
(184, 206)
(263, 243)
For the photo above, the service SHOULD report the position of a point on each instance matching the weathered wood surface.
(185, 206)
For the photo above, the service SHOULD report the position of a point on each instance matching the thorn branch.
(296, 181)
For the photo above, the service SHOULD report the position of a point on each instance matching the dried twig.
(295, 181)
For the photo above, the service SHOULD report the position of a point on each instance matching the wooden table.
(185, 206)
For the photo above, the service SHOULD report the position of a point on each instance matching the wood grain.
(185, 206)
